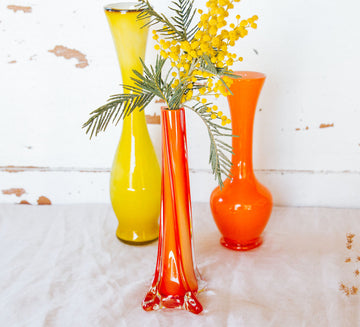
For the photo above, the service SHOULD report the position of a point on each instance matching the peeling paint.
(326, 125)
(159, 101)
(61, 51)
(304, 129)
(154, 119)
(17, 191)
(20, 8)
(24, 202)
(15, 169)
(288, 171)
(19, 169)
(43, 200)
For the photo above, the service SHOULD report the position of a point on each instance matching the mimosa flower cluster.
(193, 63)
(213, 40)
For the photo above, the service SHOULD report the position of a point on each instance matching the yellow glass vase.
(135, 184)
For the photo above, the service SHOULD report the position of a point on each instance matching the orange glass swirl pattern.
(242, 208)
(175, 282)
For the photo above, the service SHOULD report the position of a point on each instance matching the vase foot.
(154, 301)
(233, 245)
(136, 243)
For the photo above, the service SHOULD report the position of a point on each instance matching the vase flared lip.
(122, 7)
(250, 74)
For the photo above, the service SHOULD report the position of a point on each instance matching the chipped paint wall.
(58, 62)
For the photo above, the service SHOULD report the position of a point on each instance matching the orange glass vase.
(242, 208)
(175, 283)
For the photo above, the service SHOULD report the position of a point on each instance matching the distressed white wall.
(307, 137)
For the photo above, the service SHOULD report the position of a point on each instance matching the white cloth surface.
(63, 266)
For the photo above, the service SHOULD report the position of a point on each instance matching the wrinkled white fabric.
(63, 266)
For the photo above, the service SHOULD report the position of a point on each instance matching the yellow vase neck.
(130, 41)
(135, 122)
(130, 44)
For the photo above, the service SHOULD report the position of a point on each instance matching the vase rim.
(122, 7)
(250, 74)
(167, 108)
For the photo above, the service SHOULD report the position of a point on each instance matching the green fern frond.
(177, 27)
(117, 107)
(184, 14)
(146, 87)
(148, 13)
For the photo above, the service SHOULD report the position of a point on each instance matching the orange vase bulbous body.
(242, 208)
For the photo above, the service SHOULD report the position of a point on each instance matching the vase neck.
(242, 103)
(134, 123)
(130, 44)
(130, 38)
